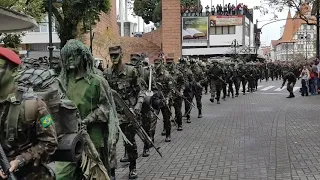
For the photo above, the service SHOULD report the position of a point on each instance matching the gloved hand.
(137, 108)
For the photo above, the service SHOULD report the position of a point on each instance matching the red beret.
(10, 55)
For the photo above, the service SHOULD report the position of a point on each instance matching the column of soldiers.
(144, 89)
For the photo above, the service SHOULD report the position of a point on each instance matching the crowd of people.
(121, 101)
(226, 9)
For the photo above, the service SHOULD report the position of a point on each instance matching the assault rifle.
(5, 165)
(133, 119)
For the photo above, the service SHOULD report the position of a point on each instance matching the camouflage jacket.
(35, 137)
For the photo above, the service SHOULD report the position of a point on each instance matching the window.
(216, 30)
(247, 30)
(43, 27)
(312, 27)
(305, 27)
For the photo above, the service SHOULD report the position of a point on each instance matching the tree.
(145, 9)
(275, 6)
(11, 40)
(75, 17)
(34, 9)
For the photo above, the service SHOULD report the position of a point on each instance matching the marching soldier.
(177, 92)
(215, 74)
(196, 86)
(32, 137)
(125, 80)
(164, 84)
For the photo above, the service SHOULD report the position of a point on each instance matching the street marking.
(278, 89)
(267, 88)
(259, 87)
(274, 93)
(295, 88)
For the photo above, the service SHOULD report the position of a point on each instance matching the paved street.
(262, 135)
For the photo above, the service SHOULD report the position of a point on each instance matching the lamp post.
(50, 4)
(235, 44)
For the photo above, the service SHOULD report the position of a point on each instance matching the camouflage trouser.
(215, 89)
(131, 150)
(236, 85)
(177, 104)
(30, 172)
(197, 93)
(149, 123)
(290, 86)
(187, 106)
(244, 83)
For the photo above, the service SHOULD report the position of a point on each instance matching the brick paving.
(256, 136)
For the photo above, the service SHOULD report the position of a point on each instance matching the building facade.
(218, 35)
(298, 39)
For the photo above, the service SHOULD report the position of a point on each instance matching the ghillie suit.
(92, 95)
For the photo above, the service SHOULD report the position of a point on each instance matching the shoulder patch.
(46, 121)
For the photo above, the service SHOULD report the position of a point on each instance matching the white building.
(38, 39)
(297, 41)
(225, 35)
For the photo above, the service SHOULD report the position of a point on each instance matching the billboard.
(226, 20)
(194, 28)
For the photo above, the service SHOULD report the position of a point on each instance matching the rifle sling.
(13, 117)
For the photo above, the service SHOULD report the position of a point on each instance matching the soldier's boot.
(179, 128)
(291, 95)
(125, 157)
(212, 99)
(168, 139)
(145, 152)
(188, 119)
(199, 113)
(112, 174)
(132, 170)
(163, 132)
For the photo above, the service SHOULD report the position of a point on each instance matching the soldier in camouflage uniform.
(229, 79)
(164, 86)
(125, 80)
(91, 93)
(224, 85)
(243, 77)
(215, 75)
(251, 78)
(177, 92)
(196, 86)
(29, 144)
(187, 92)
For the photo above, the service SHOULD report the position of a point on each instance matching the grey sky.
(270, 31)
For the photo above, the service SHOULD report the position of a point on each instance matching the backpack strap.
(13, 116)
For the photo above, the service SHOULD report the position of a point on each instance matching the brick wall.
(171, 28)
(154, 36)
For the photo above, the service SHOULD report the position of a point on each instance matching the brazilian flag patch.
(46, 121)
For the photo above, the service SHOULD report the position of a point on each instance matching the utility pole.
(318, 31)
(50, 32)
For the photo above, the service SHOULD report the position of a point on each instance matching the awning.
(12, 21)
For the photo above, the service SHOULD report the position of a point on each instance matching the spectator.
(213, 10)
(314, 79)
(207, 10)
(229, 9)
(225, 10)
(305, 76)
(200, 9)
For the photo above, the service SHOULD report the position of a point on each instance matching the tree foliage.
(11, 40)
(275, 6)
(151, 10)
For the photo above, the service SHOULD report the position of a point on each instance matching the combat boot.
(188, 119)
(133, 172)
(168, 139)
(125, 156)
(163, 133)
(145, 152)
(112, 174)
(199, 113)
(212, 99)
(179, 128)
(218, 101)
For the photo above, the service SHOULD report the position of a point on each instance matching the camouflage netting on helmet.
(35, 78)
(75, 48)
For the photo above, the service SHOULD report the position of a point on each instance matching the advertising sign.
(226, 20)
(194, 28)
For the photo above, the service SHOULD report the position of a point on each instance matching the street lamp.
(57, 3)
(235, 44)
